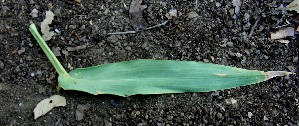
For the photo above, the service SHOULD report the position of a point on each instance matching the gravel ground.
(219, 34)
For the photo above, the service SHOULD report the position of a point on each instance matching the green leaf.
(158, 77)
(154, 76)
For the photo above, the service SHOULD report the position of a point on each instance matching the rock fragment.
(192, 14)
(237, 4)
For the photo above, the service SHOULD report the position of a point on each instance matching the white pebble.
(173, 13)
(57, 31)
(34, 13)
(249, 114)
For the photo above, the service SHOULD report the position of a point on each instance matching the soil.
(217, 35)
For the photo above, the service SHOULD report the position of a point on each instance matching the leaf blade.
(157, 77)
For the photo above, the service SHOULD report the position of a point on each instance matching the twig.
(132, 32)
(253, 27)
(158, 25)
(119, 33)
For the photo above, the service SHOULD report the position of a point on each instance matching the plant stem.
(57, 65)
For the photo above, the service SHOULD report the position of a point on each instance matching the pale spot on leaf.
(221, 75)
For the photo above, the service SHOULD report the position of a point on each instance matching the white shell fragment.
(283, 32)
(48, 104)
(293, 6)
(45, 29)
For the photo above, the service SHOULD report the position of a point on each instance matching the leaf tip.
(272, 74)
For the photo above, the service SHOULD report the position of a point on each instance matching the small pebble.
(57, 31)
(66, 53)
(246, 17)
(249, 114)
(146, 117)
(57, 12)
(219, 115)
(34, 13)
(137, 113)
(266, 118)
(205, 60)
(107, 123)
(266, 57)
(17, 69)
(82, 27)
(295, 59)
(230, 101)
(231, 11)
(56, 51)
(112, 38)
(218, 4)
(29, 58)
(237, 4)
(159, 124)
(192, 14)
(1, 65)
(22, 50)
(215, 93)
(230, 44)
(141, 124)
(128, 48)
(291, 68)
(173, 13)
(238, 55)
(72, 26)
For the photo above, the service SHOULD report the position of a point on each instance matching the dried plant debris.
(283, 41)
(283, 32)
(45, 29)
(136, 16)
(48, 104)
(293, 6)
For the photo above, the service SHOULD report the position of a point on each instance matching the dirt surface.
(216, 35)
